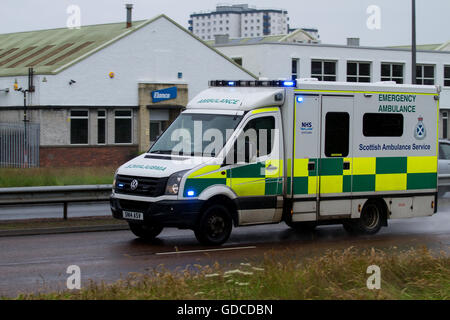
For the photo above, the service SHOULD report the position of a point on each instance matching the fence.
(19, 148)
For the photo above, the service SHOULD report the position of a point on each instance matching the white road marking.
(205, 250)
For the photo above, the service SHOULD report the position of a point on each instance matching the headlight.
(173, 184)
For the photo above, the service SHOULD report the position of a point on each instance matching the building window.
(323, 70)
(101, 127)
(425, 74)
(79, 126)
(447, 76)
(295, 65)
(358, 71)
(123, 126)
(445, 124)
(382, 125)
(392, 72)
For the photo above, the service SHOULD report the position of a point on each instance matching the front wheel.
(147, 232)
(215, 226)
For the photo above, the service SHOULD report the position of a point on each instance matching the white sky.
(335, 19)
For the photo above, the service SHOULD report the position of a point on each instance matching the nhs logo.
(164, 94)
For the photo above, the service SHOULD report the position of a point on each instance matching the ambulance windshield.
(194, 134)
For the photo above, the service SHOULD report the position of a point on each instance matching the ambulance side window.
(337, 134)
(382, 125)
(255, 141)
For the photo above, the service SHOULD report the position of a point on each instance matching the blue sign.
(164, 94)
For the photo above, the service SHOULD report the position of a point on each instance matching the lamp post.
(25, 121)
(413, 46)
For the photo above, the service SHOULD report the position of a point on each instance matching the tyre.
(215, 226)
(147, 232)
(371, 219)
(309, 226)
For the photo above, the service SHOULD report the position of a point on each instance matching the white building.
(239, 21)
(105, 92)
(287, 60)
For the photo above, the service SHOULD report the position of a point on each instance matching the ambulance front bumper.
(182, 214)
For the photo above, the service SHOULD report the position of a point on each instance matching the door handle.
(346, 165)
(311, 166)
(271, 168)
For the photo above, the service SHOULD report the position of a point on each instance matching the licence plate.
(132, 215)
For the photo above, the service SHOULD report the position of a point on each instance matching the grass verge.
(58, 223)
(32, 177)
(414, 274)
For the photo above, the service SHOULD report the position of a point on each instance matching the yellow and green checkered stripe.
(365, 175)
(251, 179)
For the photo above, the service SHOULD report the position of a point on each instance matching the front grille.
(134, 205)
(149, 187)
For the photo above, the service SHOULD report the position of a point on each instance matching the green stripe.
(392, 165)
(256, 170)
(363, 183)
(347, 187)
(271, 187)
(300, 185)
(331, 167)
(422, 181)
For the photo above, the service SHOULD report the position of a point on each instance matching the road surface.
(39, 263)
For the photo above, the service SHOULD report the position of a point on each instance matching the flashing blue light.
(121, 185)
(231, 83)
(288, 83)
(300, 99)
(190, 193)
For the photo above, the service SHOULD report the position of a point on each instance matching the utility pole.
(413, 46)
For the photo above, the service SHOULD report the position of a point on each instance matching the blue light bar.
(300, 99)
(190, 193)
(288, 83)
(253, 83)
(120, 185)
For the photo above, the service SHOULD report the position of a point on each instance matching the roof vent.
(221, 38)
(353, 42)
(129, 14)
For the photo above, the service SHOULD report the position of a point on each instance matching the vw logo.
(134, 184)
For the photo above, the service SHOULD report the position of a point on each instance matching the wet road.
(39, 263)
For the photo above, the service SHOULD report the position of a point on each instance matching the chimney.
(221, 39)
(353, 42)
(129, 11)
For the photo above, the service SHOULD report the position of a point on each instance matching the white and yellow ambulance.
(356, 154)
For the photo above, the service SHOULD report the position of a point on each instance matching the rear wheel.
(147, 232)
(215, 226)
(370, 221)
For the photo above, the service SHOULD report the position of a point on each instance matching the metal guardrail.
(68, 194)
(51, 195)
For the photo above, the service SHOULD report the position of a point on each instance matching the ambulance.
(303, 152)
